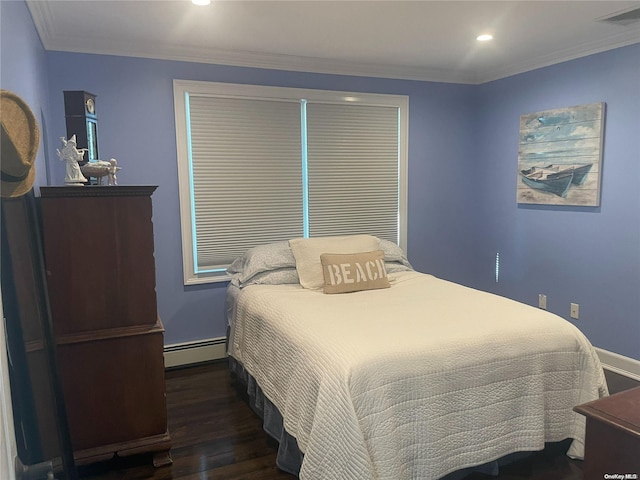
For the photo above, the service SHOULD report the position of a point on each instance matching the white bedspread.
(415, 381)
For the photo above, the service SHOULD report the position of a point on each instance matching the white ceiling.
(420, 40)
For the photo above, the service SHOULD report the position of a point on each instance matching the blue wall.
(136, 126)
(589, 256)
(462, 175)
(23, 69)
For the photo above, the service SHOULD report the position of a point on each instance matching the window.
(263, 164)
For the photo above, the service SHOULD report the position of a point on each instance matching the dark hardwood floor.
(216, 435)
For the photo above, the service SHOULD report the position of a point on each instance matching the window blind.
(246, 175)
(353, 169)
(260, 164)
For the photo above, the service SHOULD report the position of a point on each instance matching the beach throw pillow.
(307, 253)
(353, 272)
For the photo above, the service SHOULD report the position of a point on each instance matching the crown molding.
(54, 41)
(621, 39)
(258, 60)
(42, 18)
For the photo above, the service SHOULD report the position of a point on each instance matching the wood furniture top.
(97, 191)
(621, 411)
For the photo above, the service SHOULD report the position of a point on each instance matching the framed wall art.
(560, 156)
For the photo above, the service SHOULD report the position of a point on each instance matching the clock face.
(91, 105)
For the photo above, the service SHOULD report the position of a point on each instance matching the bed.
(419, 378)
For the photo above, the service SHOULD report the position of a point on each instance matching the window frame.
(182, 88)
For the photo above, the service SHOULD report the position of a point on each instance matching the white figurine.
(113, 169)
(102, 168)
(72, 155)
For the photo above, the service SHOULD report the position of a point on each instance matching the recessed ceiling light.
(484, 37)
(201, 2)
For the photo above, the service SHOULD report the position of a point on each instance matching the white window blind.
(352, 154)
(261, 164)
(246, 175)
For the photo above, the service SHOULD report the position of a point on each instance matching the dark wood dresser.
(612, 444)
(100, 267)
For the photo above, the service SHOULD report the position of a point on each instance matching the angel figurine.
(113, 170)
(72, 155)
(100, 169)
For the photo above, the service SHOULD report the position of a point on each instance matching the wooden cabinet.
(100, 267)
(33, 367)
(612, 443)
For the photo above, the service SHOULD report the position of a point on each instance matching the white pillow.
(307, 253)
(260, 259)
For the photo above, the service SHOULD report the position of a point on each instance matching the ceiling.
(419, 40)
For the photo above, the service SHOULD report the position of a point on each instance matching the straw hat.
(18, 145)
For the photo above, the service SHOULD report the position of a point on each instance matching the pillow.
(274, 263)
(353, 272)
(263, 258)
(280, 276)
(307, 253)
(395, 267)
(393, 253)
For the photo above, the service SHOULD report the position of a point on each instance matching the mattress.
(415, 381)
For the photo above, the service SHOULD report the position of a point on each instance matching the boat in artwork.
(579, 171)
(556, 179)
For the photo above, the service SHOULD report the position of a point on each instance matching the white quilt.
(414, 381)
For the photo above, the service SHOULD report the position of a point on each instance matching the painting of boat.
(579, 171)
(556, 179)
(560, 156)
(548, 180)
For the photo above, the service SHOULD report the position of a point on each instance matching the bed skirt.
(289, 457)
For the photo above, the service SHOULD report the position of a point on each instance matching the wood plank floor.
(216, 435)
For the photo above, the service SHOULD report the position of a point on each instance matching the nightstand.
(612, 444)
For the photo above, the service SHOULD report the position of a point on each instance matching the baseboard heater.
(199, 351)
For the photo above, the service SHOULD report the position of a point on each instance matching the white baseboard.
(629, 367)
(180, 354)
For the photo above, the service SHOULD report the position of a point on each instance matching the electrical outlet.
(542, 301)
(575, 310)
